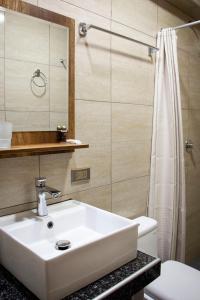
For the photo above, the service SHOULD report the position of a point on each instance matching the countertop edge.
(128, 279)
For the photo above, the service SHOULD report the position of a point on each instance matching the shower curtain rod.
(83, 30)
(187, 25)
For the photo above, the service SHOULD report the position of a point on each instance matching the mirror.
(35, 69)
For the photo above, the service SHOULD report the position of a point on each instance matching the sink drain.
(63, 245)
(50, 224)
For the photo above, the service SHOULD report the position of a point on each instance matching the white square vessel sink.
(100, 242)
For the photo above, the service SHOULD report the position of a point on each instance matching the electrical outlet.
(79, 175)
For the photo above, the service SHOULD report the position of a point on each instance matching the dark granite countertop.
(12, 289)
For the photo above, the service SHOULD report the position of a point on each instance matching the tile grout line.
(131, 178)
(118, 102)
(32, 62)
(39, 167)
(79, 191)
(147, 196)
(107, 18)
(49, 82)
(37, 111)
(4, 65)
(64, 195)
(111, 112)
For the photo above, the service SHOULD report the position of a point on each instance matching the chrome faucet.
(41, 190)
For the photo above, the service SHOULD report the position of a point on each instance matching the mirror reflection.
(33, 72)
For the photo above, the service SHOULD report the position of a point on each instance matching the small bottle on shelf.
(61, 133)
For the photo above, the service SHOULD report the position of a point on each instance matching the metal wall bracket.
(188, 145)
(83, 29)
(152, 51)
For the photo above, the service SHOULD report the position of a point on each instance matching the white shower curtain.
(167, 176)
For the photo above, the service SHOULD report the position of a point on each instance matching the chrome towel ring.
(39, 80)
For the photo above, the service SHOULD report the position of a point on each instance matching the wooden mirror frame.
(45, 142)
(37, 137)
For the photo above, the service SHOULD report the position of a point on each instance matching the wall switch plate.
(79, 175)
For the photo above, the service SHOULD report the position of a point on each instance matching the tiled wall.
(28, 45)
(114, 106)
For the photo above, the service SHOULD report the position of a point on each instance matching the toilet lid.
(177, 282)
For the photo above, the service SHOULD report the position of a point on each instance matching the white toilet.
(177, 281)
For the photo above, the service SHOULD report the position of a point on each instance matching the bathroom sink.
(98, 242)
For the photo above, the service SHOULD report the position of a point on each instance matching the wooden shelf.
(40, 149)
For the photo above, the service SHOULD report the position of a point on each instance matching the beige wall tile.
(132, 68)
(17, 180)
(194, 164)
(192, 252)
(185, 122)
(141, 15)
(192, 186)
(34, 2)
(2, 33)
(26, 38)
(94, 127)
(102, 7)
(193, 237)
(98, 158)
(1, 83)
(93, 65)
(129, 198)
(73, 11)
(59, 7)
(93, 122)
(188, 40)
(130, 159)
(194, 87)
(131, 140)
(170, 16)
(193, 190)
(185, 90)
(57, 168)
(2, 116)
(18, 94)
(76, 12)
(183, 62)
(17, 208)
(192, 196)
(28, 121)
(58, 89)
(145, 18)
(58, 118)
(192, 181)
(131, 122)
(92, 53)
(194, 126)
(59, 43)
(99, 197)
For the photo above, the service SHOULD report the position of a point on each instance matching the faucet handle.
(40, 181)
